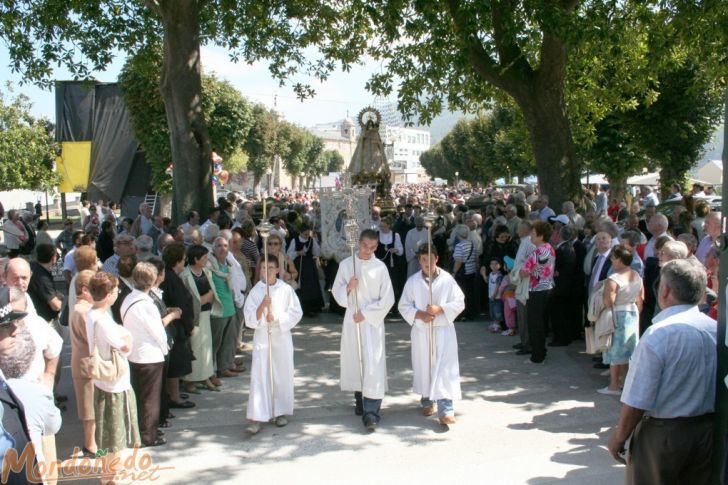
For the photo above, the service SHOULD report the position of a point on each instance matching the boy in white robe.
(440, 384)
(280, 311)
(375, 297)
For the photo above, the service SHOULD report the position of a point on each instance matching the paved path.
(517, 423)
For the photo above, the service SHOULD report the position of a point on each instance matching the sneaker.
(428, 410)
(447, 420)
(518, 346)
(253, 427)
(609, 392)
(370, 423)
(281, 421)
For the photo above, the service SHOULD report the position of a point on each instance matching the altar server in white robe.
(280, 311)
(375, 298)
(448, 302)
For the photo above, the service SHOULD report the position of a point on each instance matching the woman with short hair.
(539, 268)
(82, 383)
(143, 320)
(198, 280)
(623, 296)
(114, 401)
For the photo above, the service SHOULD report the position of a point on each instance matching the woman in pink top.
(539, 268)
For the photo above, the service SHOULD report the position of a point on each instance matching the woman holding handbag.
(82, 382)
(623, 295)
(142, 318)
(109, 346)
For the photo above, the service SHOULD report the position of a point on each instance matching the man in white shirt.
(669, 393)
(657, 226)
(650, 198)
(17, 275)
(69, 265)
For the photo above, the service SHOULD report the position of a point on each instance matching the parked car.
(667, 207)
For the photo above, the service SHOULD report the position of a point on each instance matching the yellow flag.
(74, 166)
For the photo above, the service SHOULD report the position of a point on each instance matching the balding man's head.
(657, 225)
(17, 273)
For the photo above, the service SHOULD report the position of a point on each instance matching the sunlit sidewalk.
(517, 423)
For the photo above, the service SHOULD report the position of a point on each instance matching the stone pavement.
(517, 423)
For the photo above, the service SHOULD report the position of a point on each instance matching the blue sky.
(341, 92)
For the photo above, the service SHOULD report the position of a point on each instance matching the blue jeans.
(496, 310)
(444, 406)
(371, 407)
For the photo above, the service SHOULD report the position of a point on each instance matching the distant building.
(403, 146)
(339, 135)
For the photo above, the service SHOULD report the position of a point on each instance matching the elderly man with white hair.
(17, 275)
(209, 234)
(668, 398)
(712, 230)
(223, 324)
(143, 223)
(567, 208)
(38, 414)
(123, 246)
(240, 283)
(143, 245)
(657, 225)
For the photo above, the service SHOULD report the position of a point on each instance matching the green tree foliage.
(674, 129)
(434, 162)
(261, 143)
(483, 149)
(27, 149)
(334, 161)
(316, 161)
(84, 37)
(298, 141)
(565, 64)
(615, 153)
(229, 115)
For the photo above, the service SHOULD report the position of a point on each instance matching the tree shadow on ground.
(489, 372)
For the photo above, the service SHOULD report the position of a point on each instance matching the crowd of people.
(167, 305)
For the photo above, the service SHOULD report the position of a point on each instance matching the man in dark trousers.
(563, 292)
(668, 400)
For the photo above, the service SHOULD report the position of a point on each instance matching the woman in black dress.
(176, 295)
(304, 250)
(390, 251)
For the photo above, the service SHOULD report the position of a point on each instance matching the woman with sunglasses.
(288, 272)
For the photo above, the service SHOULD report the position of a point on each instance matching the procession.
(363, 242)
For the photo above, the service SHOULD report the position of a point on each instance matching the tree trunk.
(557, 168)
(672, 173)
(617, 187)
(256, 184)
(181, 87)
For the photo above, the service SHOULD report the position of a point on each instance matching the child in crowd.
(508, 297)
(495, 304)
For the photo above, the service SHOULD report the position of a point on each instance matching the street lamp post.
(457, 181)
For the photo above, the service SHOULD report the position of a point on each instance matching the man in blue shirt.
(669, 393)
